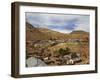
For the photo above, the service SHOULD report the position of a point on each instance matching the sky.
(64, 23)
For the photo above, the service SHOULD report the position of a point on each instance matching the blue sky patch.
(59, 22)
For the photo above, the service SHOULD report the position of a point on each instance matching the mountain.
(33, 33)
(53, 34)
(79, 32)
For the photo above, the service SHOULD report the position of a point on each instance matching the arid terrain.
(55, 48)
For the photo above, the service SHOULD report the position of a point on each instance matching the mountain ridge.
(33, 33)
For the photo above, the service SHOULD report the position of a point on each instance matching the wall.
(5, 40)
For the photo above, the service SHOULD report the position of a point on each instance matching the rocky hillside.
(79, 32)
(33, 33)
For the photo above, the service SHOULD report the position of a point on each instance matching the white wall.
(5, 40)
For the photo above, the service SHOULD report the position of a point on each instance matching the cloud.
(83, 23)
(59, 22)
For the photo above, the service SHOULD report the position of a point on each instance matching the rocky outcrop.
(34, 62)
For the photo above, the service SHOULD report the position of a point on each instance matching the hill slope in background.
(79, 32)
(33, 33)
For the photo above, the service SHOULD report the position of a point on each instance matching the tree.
(68, 50)
(65, 51)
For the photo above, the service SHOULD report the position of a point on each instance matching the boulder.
(34, 62)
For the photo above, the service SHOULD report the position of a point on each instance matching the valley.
(55, 48)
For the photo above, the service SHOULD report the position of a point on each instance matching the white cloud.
(63, 21)
(83, 24)
(64, 31)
